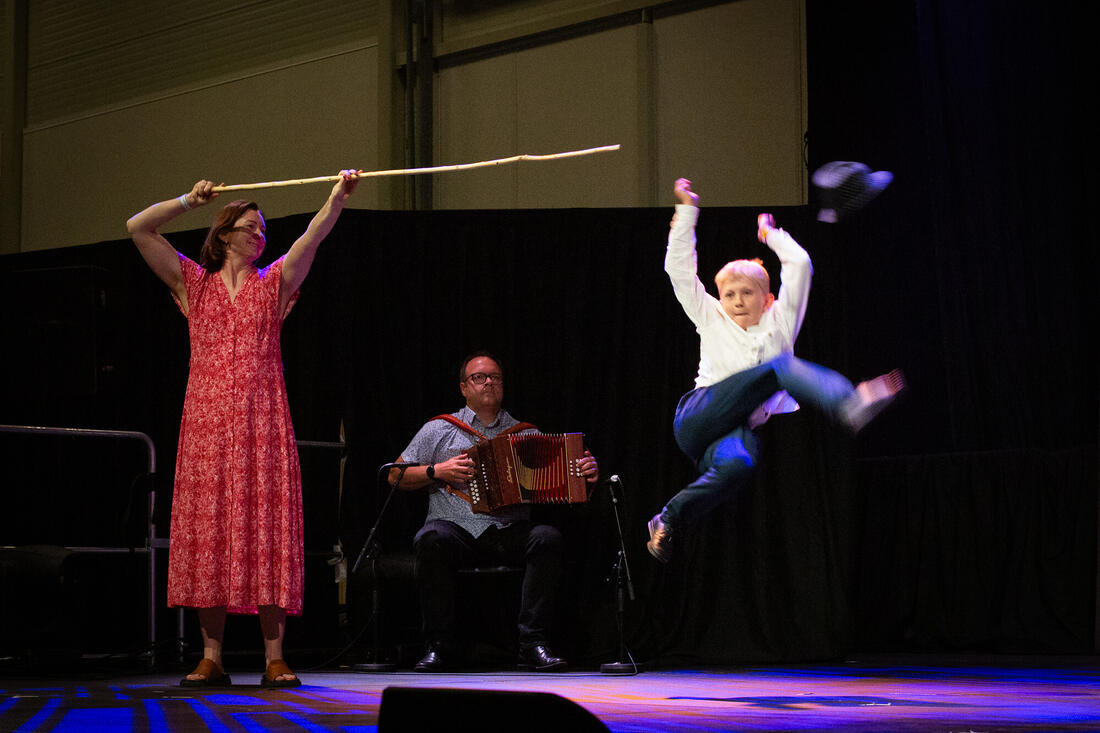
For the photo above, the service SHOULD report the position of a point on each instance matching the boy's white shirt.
(724, 347)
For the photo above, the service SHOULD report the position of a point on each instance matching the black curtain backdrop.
(965, 519)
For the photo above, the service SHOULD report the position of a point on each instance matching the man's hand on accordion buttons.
(589, 468)
(457, 470)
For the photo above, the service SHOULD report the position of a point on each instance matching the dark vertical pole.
(391, 131)
(425, 111)
(13, 118)
(649, 188)
(419, 63)
(411, 7)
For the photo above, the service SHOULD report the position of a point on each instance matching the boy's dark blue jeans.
(711, 427)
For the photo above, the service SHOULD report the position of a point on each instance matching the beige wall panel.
(465, 24)
(475, 119)
(718, 92)
(84, 178)
(731, 109)
(577, 94)
(95, 56)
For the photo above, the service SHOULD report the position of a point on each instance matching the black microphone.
(388, 466)
(614, 481)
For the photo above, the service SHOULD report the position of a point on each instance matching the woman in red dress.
(236, 536)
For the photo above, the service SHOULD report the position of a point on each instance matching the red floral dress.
(236, 537)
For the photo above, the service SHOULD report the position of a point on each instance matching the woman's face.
(248, 236)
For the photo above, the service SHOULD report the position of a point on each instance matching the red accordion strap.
(478, 434)
(517, 427)
(474, 431)
(459, 424)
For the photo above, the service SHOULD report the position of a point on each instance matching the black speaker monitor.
(427, 708)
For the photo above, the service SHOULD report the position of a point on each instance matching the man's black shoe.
(432, 662)
(660, 539)
(541, 659)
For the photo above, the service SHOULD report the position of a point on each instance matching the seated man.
(453, 536)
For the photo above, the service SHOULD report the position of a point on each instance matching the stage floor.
(912, 693)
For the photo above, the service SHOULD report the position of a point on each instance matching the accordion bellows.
(526, 469)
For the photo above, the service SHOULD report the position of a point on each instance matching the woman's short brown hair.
(212, 256)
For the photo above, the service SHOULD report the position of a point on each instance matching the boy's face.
(744, 300)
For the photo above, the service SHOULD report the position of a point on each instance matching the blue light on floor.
(272, 721)
(157, 722)
(208, 717)
(228, 699)
(85, 719)
(35, 723)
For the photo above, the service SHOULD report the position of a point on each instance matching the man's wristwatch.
(431, 472)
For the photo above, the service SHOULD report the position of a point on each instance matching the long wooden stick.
(415, 171)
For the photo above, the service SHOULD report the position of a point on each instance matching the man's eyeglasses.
(482, 377)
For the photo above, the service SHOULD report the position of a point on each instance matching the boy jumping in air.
(747, 367)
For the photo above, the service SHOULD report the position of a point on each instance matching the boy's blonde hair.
(752, 270)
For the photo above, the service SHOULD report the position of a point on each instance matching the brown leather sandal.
(276, 668)
(212, 675)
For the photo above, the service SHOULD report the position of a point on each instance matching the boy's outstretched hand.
(764, 224)
(684, 194)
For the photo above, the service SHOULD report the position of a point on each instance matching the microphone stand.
(623, 583)
(370, 552)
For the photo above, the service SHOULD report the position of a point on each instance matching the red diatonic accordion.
(526, 469)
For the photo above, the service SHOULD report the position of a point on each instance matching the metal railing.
(152, 542)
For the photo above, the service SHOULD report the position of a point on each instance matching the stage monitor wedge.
(487, 711)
